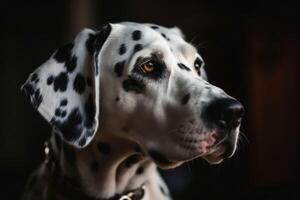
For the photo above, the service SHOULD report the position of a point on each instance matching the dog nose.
(225, 112)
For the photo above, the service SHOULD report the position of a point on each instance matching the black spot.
(28, 89)
(154, 27)
(95, 166)
(50, 80)
(159, 157)
(136, 35)
(117, 98)
(90, 44)
(71, 64)
(100, 38)
(131, 160)
(134, 85)
(182, 66)
(89, 81)
(82, 141)
(162, 34)
(122, 49)
(103, 148)
(63, 102)
(57, 112)
(64, 53)
(140, 170)
(90, 111)
(185, 99)
(37, 98)
(137, 47)
(72, 127)
(79, 84)
(34, 77)
(63, 113)
(61, 82)
(119, 67)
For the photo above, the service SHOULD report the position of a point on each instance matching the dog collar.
(65, 186)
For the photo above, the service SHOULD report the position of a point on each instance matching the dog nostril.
(231, 115)
(225, 112)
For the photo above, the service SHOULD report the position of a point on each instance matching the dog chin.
(219, 154)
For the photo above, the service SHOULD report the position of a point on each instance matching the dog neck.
(106, 167)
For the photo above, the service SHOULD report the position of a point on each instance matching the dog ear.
(178, 32)
(65, 89)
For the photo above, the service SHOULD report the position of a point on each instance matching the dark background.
(250, 48)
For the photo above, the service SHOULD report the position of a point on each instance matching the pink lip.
(207, 142)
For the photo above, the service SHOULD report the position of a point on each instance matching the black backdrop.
(231, 36)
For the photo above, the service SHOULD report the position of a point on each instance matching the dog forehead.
(152, 37)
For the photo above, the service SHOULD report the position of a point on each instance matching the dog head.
(142, 82)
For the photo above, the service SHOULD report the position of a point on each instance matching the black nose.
(225, 112)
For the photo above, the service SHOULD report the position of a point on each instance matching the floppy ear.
(65, 89)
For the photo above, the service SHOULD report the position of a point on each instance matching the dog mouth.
(213, 145)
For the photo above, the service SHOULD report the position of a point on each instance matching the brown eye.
(147, 67)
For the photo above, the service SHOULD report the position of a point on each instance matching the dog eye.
(198, 64)
(148, 67)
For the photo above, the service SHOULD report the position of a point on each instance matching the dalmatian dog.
(122, 101)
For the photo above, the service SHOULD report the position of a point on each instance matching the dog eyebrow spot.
(185, 99)
(119, 67)
(183, 66)
(136, 35)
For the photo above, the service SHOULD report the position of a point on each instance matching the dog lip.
(216, 155)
